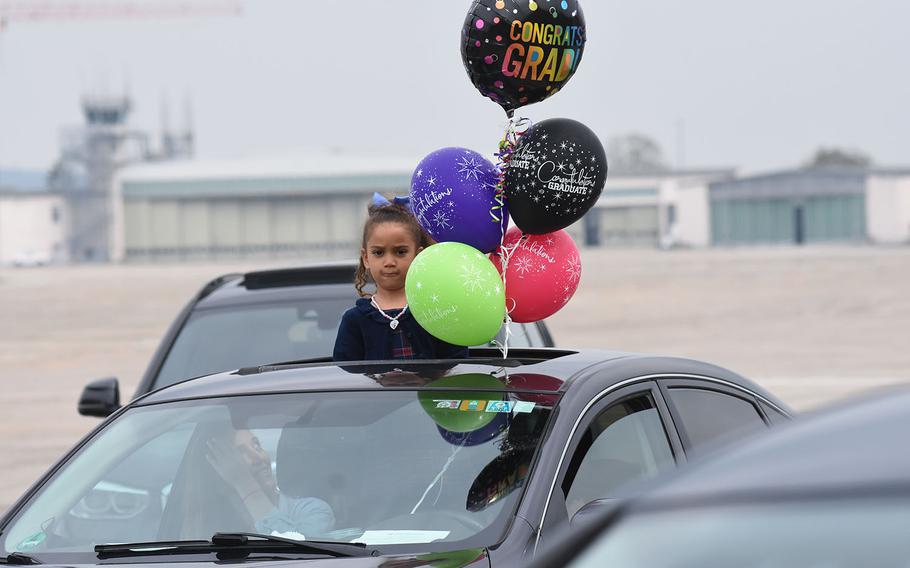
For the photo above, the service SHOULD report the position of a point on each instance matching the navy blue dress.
(364, 335)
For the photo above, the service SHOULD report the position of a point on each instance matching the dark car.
(446, 463)
(241, 320)
(828, 490)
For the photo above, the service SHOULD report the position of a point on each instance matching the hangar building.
(802, 206)
(313, 204)
(300, 206)
(651, 210)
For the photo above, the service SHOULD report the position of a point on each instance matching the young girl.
(380, 327)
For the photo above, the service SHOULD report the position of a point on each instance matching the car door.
(711, 413)
(623, 438)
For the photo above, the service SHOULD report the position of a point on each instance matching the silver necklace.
(393, 321)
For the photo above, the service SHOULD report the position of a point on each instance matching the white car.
(31, 258)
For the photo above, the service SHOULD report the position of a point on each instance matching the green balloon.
(451, 410)
(456, 294)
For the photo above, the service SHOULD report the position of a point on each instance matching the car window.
(710, 418)
(328, 466)
(223, 339)
(129, 499)
(624, 443)
(215, 340)
(117, 489)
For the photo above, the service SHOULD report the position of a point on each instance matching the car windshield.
(228, 338)
(842, 533)
(400, 470)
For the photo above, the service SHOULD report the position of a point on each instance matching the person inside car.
(240, 460)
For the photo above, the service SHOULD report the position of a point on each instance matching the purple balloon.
(453, 194)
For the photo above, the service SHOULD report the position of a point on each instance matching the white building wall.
(576, 231)
(693, 216)
(681, 204)
(888, 209)
(32, 229)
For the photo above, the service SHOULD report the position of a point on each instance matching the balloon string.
(505, 255)
(514, 131)
(439, 475)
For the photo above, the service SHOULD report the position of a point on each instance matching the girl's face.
(389, 251)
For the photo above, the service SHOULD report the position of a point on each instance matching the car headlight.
(111, 501)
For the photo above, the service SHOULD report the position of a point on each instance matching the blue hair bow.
(379, 200)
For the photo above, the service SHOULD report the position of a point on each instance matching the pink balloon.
(542, 276)
(534, 381)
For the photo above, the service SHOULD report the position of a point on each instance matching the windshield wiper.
(19, 559)
(234, 545)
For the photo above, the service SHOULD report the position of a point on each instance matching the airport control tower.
(92, 154)
(90, 157)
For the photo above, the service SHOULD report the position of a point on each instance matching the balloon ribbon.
(514, 131)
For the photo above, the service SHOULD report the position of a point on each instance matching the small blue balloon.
(453, 196)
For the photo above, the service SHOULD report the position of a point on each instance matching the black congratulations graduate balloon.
(555, 175)
(519, 52)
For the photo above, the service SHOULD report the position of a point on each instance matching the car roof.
(543, 370)
(326, 279)
(841, 449)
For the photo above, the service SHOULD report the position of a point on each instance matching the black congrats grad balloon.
(555, 175)
(519, 52)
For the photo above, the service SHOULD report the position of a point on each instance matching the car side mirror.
(591, 511)
(100, 398)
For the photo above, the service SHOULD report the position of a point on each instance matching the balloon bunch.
(547, 176)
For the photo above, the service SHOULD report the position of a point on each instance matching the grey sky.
(757, 84)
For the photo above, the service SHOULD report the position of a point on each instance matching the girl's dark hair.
(392, 213)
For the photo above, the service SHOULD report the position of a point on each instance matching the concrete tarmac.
(813, 325)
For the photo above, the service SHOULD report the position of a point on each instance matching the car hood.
(475, 557)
